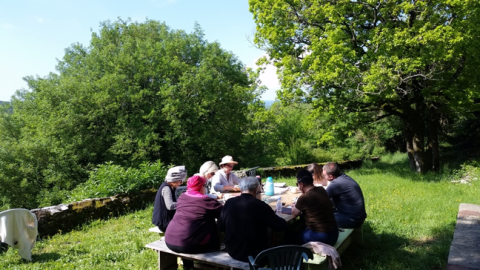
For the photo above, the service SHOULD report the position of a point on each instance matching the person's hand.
(220, 196)
(236, 188)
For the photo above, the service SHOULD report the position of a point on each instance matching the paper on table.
(279, 184)
(279, 190)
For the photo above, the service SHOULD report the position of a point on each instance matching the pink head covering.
(195, 183)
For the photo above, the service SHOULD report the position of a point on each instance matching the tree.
(416, 60)
(138, 93)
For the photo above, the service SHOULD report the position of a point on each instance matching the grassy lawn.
(103, 244)
(410, 224)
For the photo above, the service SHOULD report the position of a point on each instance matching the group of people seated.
(330, 200)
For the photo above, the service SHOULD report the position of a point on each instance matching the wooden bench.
(343, 241)
(167, 259)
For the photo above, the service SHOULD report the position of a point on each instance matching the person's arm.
(296, 212)
(219, 183)
(275, 222)
(221, 221)
(216, 208)
(298, 207)
(168, 198)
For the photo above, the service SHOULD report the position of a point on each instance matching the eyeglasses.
(229, 165)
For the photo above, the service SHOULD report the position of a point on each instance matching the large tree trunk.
(433, 141)
(414, 137)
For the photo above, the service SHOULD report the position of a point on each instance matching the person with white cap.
(224, 180)
(165, 201)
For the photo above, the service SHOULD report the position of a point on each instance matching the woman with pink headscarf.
(193, 228)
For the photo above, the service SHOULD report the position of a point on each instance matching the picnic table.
(287, 199)
(167, 259)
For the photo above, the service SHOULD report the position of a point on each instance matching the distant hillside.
(268, 103)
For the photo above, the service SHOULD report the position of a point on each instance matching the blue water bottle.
(269, 186)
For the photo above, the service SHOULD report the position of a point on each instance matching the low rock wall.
(66, 217)
(289, 171)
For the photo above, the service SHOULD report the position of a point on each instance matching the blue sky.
(34, 33)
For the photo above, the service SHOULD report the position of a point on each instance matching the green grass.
(410, 224)
(117, 243)
(411, 217)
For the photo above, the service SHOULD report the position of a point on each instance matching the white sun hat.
(228, 160)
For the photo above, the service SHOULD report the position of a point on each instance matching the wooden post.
(167, 261)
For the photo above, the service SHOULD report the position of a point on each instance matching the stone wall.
(66, 217)
(289, 171)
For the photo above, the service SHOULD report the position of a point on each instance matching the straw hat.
(228, 160)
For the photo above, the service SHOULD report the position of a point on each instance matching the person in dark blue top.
(165, 201)
(347, 197)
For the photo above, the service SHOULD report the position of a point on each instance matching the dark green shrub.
(110, 179)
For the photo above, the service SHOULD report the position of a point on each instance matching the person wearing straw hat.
(224, 180)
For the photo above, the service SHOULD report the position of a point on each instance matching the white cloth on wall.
(19, 229)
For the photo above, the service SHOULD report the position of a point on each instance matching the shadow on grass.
(45, 257)
(391, 251)
(401, 168)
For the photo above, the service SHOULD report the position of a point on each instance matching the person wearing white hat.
(165, 201)
(224, 180)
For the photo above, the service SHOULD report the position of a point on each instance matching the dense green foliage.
(143, 93)
(110, 179)
(415, 60)
(296, 134)
(410, 225)
(140, 92)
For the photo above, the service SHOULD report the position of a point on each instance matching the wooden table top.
(287, 199)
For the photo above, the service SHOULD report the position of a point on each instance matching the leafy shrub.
(470, 171)
(110, 179)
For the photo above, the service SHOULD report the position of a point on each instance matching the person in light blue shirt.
(225, 180)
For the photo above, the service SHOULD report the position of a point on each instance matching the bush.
(110, 179)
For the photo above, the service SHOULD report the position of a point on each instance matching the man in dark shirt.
(245, 220)
(317, 210)
(347, 197)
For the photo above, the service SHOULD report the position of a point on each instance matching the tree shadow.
(391, 251)
(401, 168)
(45, 257)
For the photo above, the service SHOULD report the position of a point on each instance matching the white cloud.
(8, 26)
(269, 78)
